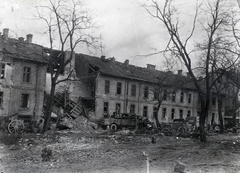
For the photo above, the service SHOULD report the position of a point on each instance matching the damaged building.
(23, 76)
(107, 86)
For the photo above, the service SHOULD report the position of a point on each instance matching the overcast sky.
(126, 28)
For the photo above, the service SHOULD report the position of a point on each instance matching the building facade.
(23, 76)
(107, 86)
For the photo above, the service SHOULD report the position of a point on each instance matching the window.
(181, 114)
(155, 94)
(107, 86)
(25, 101)
(173, 96)
(119, 88)
(26, 74)
(105, 107)
(145, 110)
(213, 118)
(189, 98)
(132, 109)
(164, 113)
(133, 91)
(155, 112)
(145, 92)
(188, 113)
(2, 70)
(118, 108)
(181, 97)
(214, 101)
(173, 114)
(1, 99)
(165, 95)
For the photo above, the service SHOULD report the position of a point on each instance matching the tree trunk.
(49, 107)
(156, 118)
(202, 118)
(220, 115)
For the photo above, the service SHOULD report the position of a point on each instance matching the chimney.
(150, 66)
(5, 32)
(112, 60)
(126, 62)
(102, 57)
(180, 72)
(29, 38)
(21, 39)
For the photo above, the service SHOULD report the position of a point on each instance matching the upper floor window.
(1, 99)
(181, 97)
(132, 109)
(26, 74)
(164, 94)
(145, 111)
(155, 94)
(189, 98)
(2, 70)
(214, 101)
(133, 90)
(145, 92)
(119, 87)
(107, 86)
(25, 101)
(173, 96)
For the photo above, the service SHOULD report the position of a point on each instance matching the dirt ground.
(106, 152)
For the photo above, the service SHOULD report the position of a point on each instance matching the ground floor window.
(1, 99)
(145, 110)
(173, 114)
(188, 113)
(164, 113)
(118, 108)
(105, 107)
(181, 114)
(25, 101)
(132, 109)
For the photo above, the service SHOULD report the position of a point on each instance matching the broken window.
(119, 88)
(1, 99)
(132, 109)
(107, 86)
(2, 70)
(26, 74)
(145, 110)
(133, 91)
(25, 101)
(188, 113)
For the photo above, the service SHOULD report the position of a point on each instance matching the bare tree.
(68, 25)
(212, 26)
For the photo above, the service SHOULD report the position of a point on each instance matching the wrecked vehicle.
(127, 120)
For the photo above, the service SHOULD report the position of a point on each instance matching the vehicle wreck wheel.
(16, 126)
(113, 127)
